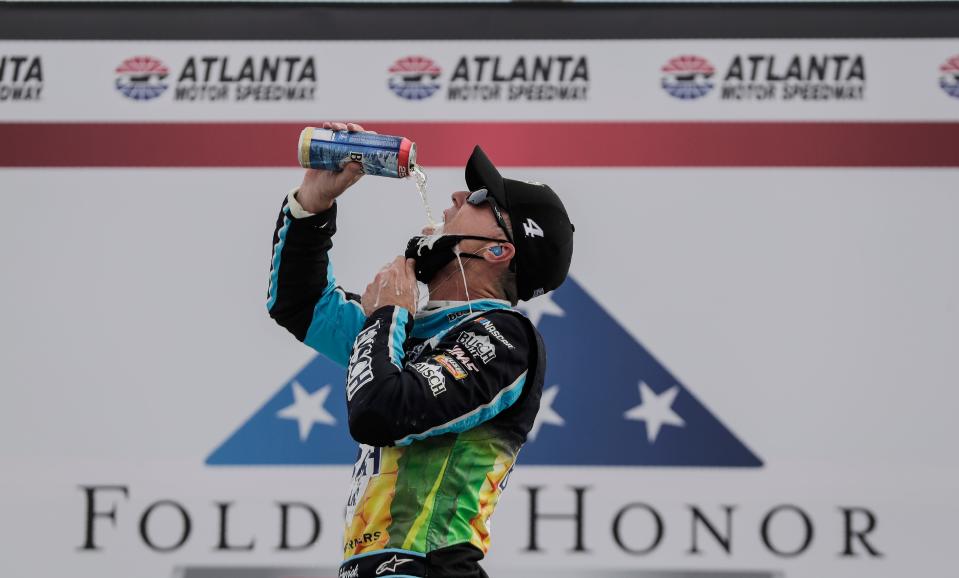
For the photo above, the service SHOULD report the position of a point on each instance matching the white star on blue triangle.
(546, 413)
(655, 410)
(307, 409)
(597, 415)
(537, 307)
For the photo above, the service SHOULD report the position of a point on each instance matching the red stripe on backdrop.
(448, 144)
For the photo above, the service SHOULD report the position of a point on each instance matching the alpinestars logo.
(392, 564)
(414, 77)
(949, 79)
(645, 416)
(688, 77)
(142, 78)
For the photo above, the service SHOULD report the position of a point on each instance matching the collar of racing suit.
(440, 316)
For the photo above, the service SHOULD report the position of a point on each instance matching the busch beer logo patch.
(434, 377)
(361, 364)
(479, 346)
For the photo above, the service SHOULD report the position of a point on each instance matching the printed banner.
(749, 368)
(689, 80)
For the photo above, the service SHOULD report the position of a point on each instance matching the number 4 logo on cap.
(532, 229)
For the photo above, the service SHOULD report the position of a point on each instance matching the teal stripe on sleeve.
(504, 399)
(337, 321)
(277, 251)
(398, 335)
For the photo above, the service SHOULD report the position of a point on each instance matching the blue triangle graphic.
(597, 368)
(267, 439)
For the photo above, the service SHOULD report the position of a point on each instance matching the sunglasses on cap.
(480, 196)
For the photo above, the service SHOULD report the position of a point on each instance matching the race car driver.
(442, 398)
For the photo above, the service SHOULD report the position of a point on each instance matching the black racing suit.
(440, 401)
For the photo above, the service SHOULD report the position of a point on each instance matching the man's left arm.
(474, 372)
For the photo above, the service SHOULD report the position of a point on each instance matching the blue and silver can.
(381, 155)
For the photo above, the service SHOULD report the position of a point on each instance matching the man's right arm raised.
(303, 296)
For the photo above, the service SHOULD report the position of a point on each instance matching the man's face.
(462, 218)
(466, 219)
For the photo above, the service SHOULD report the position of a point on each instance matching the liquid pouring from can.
(380, 155)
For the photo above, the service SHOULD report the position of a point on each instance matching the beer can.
(381, 155)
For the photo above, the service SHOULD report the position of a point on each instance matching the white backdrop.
(813, 312)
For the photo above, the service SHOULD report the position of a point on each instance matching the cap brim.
(482, 174)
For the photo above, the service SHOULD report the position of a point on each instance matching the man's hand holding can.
(321, 187)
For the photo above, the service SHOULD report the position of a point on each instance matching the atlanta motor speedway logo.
(142, 78)
(414, 77)
(218, 78)
(21, 78)
(748, 77)
(493, 77)
(949, 78)
(688, 77)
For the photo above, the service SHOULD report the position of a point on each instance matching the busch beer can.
(381, 155)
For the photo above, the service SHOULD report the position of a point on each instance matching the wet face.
(462, 218)
(481, 277)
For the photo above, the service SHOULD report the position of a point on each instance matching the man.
(441, 399)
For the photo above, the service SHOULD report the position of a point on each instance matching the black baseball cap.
(542, 232)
